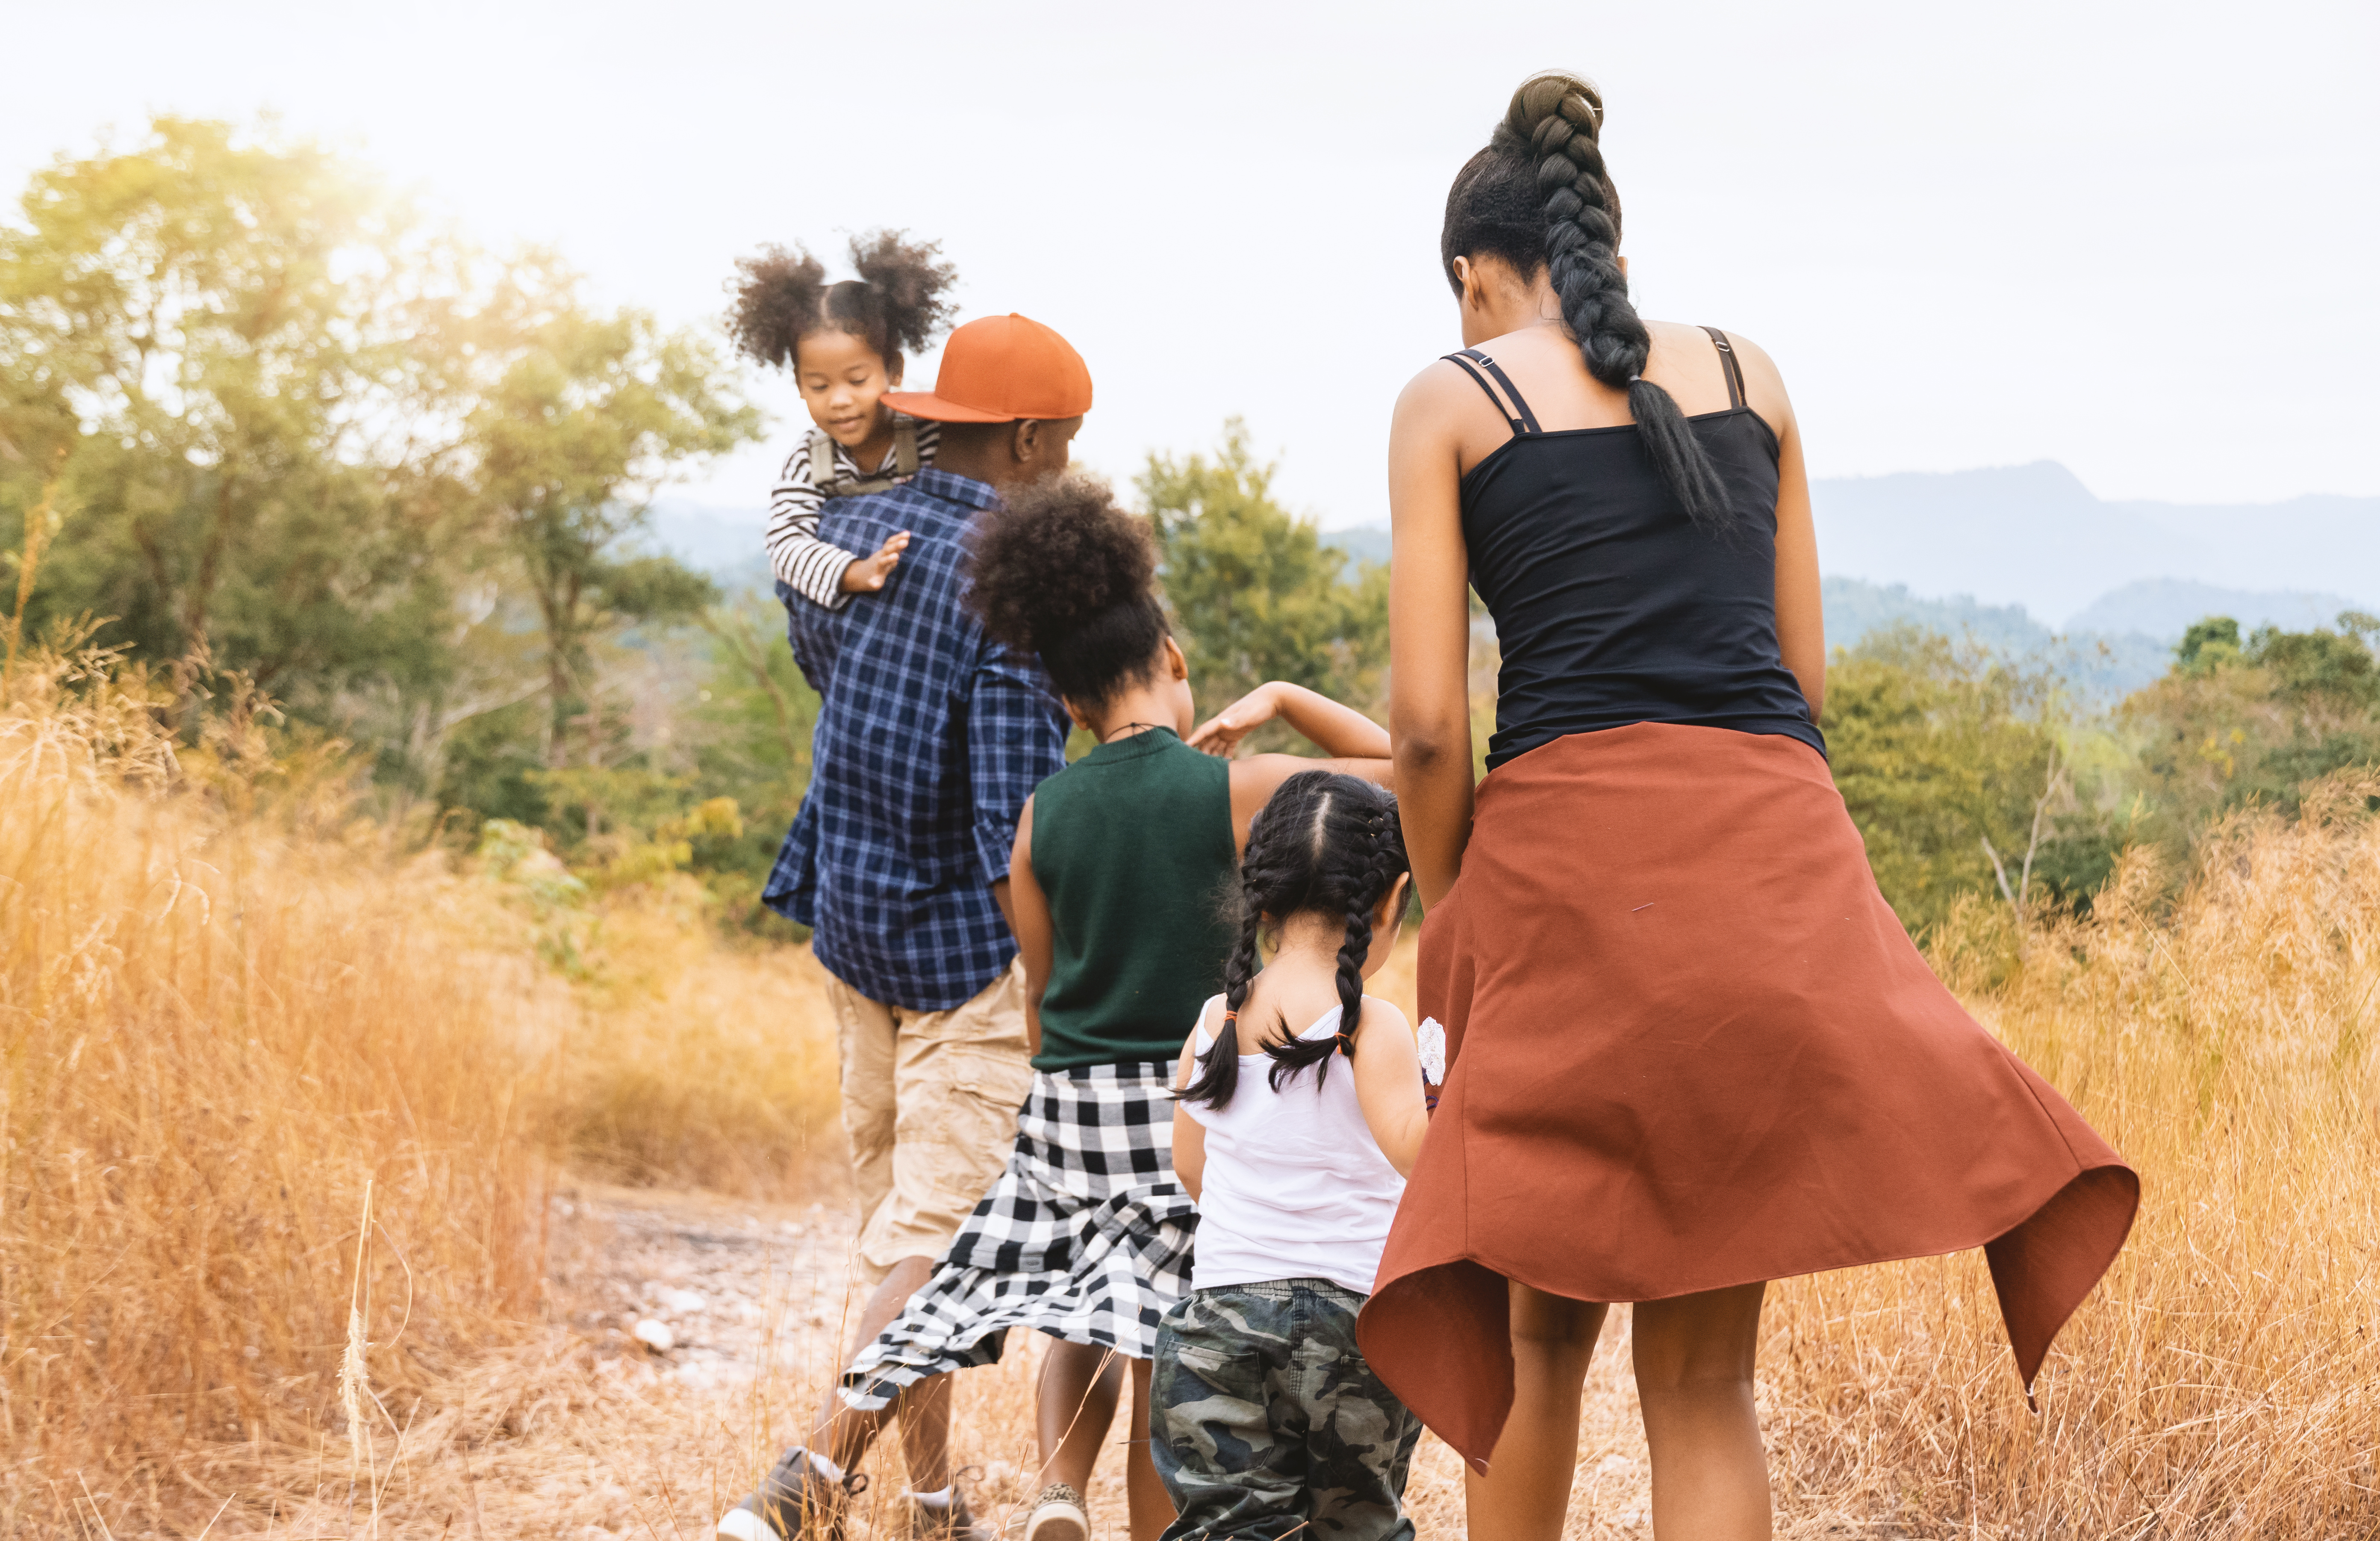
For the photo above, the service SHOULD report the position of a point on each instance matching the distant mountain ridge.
(2100, 668)
(2034, 535)
(1985, 553)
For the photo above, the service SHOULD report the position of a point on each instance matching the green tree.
(2235, 722)
(1255, 593)
(586, 415)
(205, 340)
(1951, 762)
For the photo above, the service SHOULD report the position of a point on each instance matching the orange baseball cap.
(999, 369)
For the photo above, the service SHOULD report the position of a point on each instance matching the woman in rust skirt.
(1691, 1049)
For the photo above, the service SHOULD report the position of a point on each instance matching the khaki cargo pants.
(930, 1101)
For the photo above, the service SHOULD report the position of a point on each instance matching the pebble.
(655, 1336)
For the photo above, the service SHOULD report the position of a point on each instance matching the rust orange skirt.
(1689, 1047)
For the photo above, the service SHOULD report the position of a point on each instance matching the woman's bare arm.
(1429, 633)
(1029, 917)
(1800, 619)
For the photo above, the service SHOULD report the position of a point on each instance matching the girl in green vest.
(1122, 864)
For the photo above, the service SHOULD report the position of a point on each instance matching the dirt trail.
(757, 1301)
(590, 1431)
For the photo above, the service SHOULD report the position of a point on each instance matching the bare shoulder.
(1427, 395)
(1686, 356)
(1384, 1013)
(1758, 367)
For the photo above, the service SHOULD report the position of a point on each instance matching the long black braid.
(1540, 198)
(1326, 842)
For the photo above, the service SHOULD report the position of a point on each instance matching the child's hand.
(866, 574)
(1221, 733)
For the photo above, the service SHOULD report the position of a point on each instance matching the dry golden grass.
(228, 1009)
(696, 1063)
(225, 1014)
(2224, 1380)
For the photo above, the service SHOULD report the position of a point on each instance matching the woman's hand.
(1221, 733)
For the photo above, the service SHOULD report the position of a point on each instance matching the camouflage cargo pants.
(1265, 1420)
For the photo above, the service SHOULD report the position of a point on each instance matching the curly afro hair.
(1059, 570)
(898, 304)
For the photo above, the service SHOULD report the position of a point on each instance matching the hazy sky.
(2121, 236)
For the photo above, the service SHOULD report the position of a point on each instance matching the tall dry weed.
(225, 1011)
(2225, 1378)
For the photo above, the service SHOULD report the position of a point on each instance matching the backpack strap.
(825, 475)
(835, 484)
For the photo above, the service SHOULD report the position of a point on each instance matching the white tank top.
(1296, 1185)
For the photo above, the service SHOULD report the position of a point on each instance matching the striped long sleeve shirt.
(809, 566)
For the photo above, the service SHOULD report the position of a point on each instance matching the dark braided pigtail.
(1540, 195)
(1326, 843)
(1218, 1068)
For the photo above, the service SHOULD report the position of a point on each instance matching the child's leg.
(843, 1435)
(1074, 1403)
(1360, 1438)
(1152, 1508)
(1526, 1492)
(1694, 1377)
(1226, 1436)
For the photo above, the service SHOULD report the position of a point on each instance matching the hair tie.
(1346, 1044)
(1633, 378)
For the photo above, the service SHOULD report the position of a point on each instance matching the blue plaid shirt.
(931, 737)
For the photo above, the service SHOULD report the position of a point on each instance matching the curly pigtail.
(911, 284)
(776, 298)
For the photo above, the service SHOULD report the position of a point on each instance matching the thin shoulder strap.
(1727, 362)
(905, 447)
(1518, 414)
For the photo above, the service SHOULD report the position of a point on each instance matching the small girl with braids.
(1117, 864)
(843, 345)
(1267, 1417)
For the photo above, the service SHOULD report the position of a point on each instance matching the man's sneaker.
(796, 1502)
(1057, 1515)
(948, 1522)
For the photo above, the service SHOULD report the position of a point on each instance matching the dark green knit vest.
(1132, 844)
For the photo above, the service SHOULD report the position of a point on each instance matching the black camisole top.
(1610, 606)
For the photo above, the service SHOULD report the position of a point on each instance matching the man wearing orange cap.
(930, 740)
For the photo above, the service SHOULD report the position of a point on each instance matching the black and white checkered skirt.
(1086, 1236)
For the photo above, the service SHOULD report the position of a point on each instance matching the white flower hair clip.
(1431, 1040)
